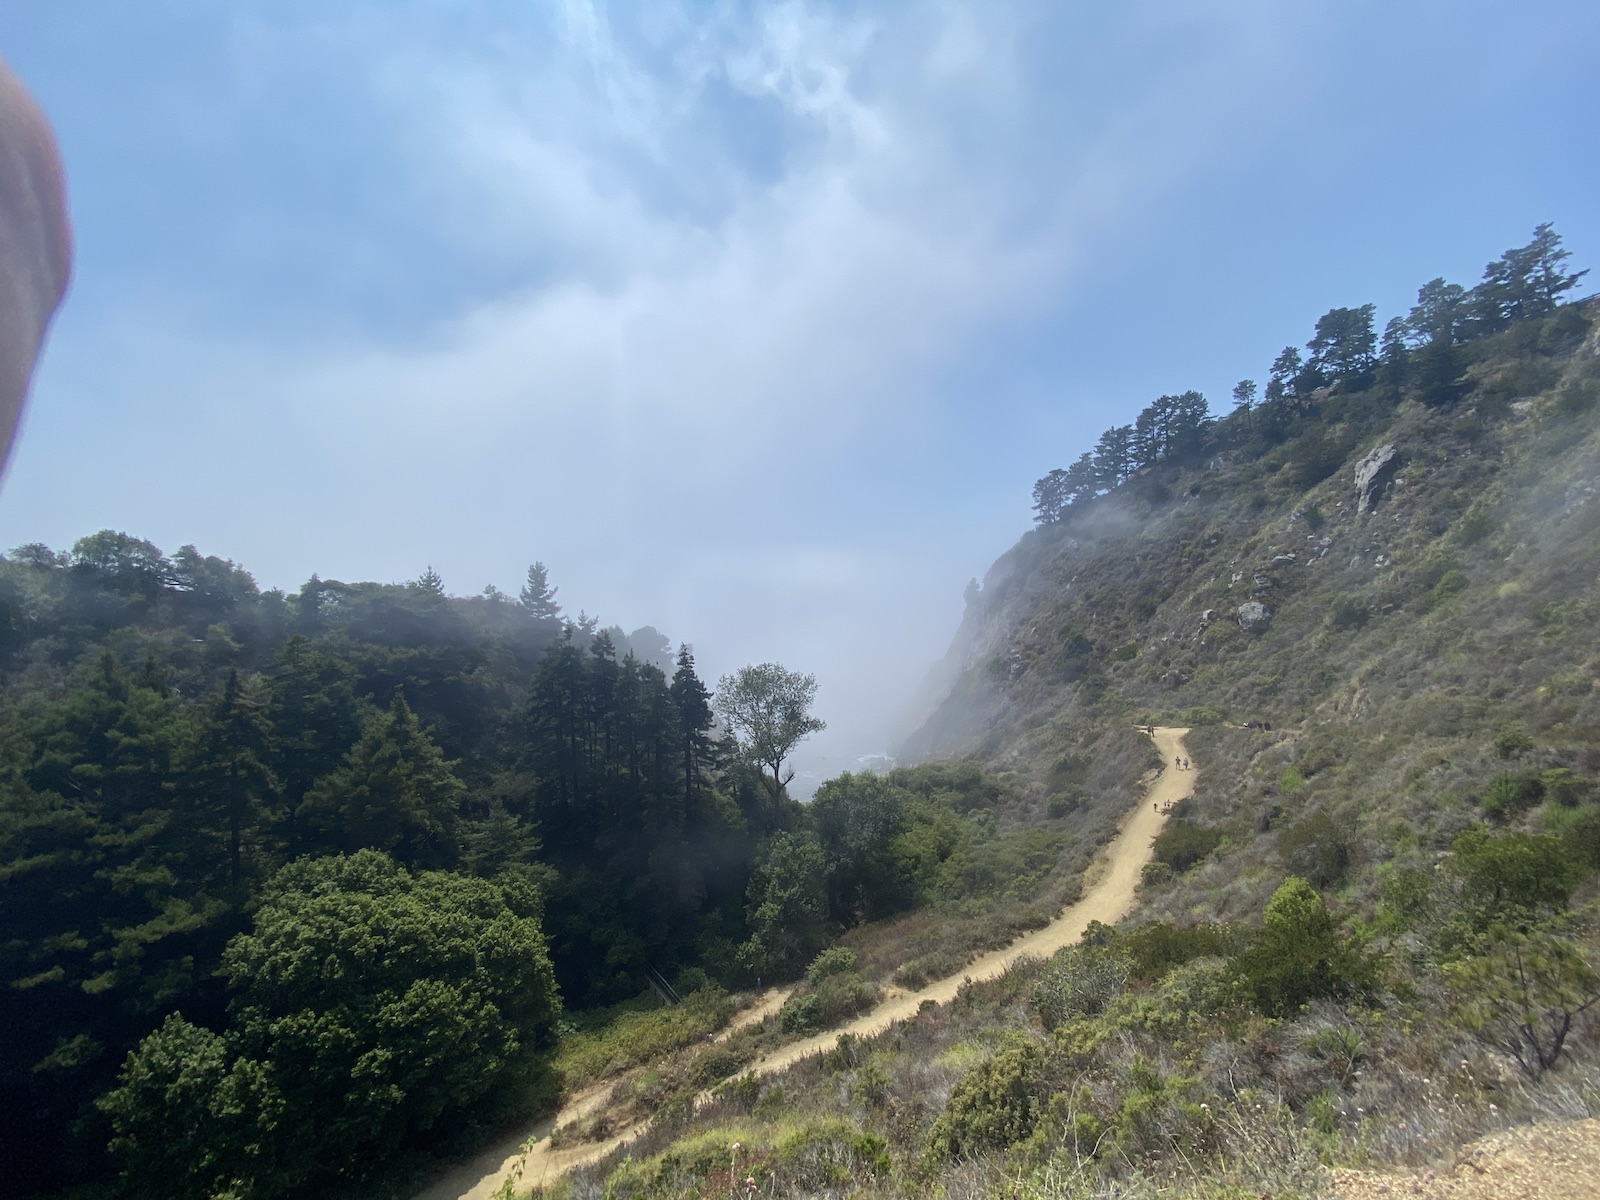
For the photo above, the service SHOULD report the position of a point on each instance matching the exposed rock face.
(1253, 614)
(1373, 474)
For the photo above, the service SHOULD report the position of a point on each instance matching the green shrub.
(1474, 527)
(1153, 874)
(1078, 981)
(835, 960)
(1513, 793)
(1451, 583)
(1157, 1114)
(827, 1154)
(1156, 948)
(1522, 992)
(635, 1037)
(1183, 843)
(1063, 803)
(1291, 782)
(826, 1002)
(995, 1105)
(1511, 741)
(714, 1065)
(801, 1014)
(1318, 848)
(1186, 999)
(1577, 396)
(1348, 612)
(691, 980)
(1582, 839)
(1565, 787)
(1299, 955)
(1512, 873)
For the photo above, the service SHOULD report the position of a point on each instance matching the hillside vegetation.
(338, 880)
(1371, 935)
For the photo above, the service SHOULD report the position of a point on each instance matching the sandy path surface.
(1110, 893)
(1554, 1160)
(479, 1177)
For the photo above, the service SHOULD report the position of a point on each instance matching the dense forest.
(205, 787)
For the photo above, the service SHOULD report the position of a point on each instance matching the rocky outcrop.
(1253, 614)
(1374, 473)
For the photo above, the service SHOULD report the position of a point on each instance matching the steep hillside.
(1434, 584)
(1370, 935)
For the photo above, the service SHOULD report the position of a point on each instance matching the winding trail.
(1110, 893)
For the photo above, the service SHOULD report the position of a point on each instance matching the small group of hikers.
(1181, 763)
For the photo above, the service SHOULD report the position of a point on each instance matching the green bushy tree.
(369, 1007)
(995, 1105)
(1299, 955)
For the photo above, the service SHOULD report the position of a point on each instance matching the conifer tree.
(231, 771)
(1283, 380)
(1526, 281)
(1050, 497)
(394, 792)
(1113, 456)
(1344, 346)
(430, 583)
(537, 596)
(692, 700)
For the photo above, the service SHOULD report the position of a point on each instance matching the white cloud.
(673, 406)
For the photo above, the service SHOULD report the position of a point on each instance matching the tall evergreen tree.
(394, 792)
(1050, 497)
(1441, 314)
(430, 583)
(1524, 282)
(692, 702)
(1113, 456)
(1344, 346)
(230, 771)
(1284, 377)
(537, 596)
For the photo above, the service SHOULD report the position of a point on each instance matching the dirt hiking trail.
(1109, 894)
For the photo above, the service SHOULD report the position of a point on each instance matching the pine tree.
(1113, 456)
(1441, 314)
(1283, 380)
(430, 583)
(537, 596)
(394, 792)
(1525, 282)
(1050, 498)
(231, 770)
(692, 700)
(1344, 346)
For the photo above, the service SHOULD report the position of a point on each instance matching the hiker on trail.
(1186, 764)
(1177, 762)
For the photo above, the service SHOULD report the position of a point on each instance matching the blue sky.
(754, 322)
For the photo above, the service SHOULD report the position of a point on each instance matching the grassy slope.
(1401, 641)
(1401, 644)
